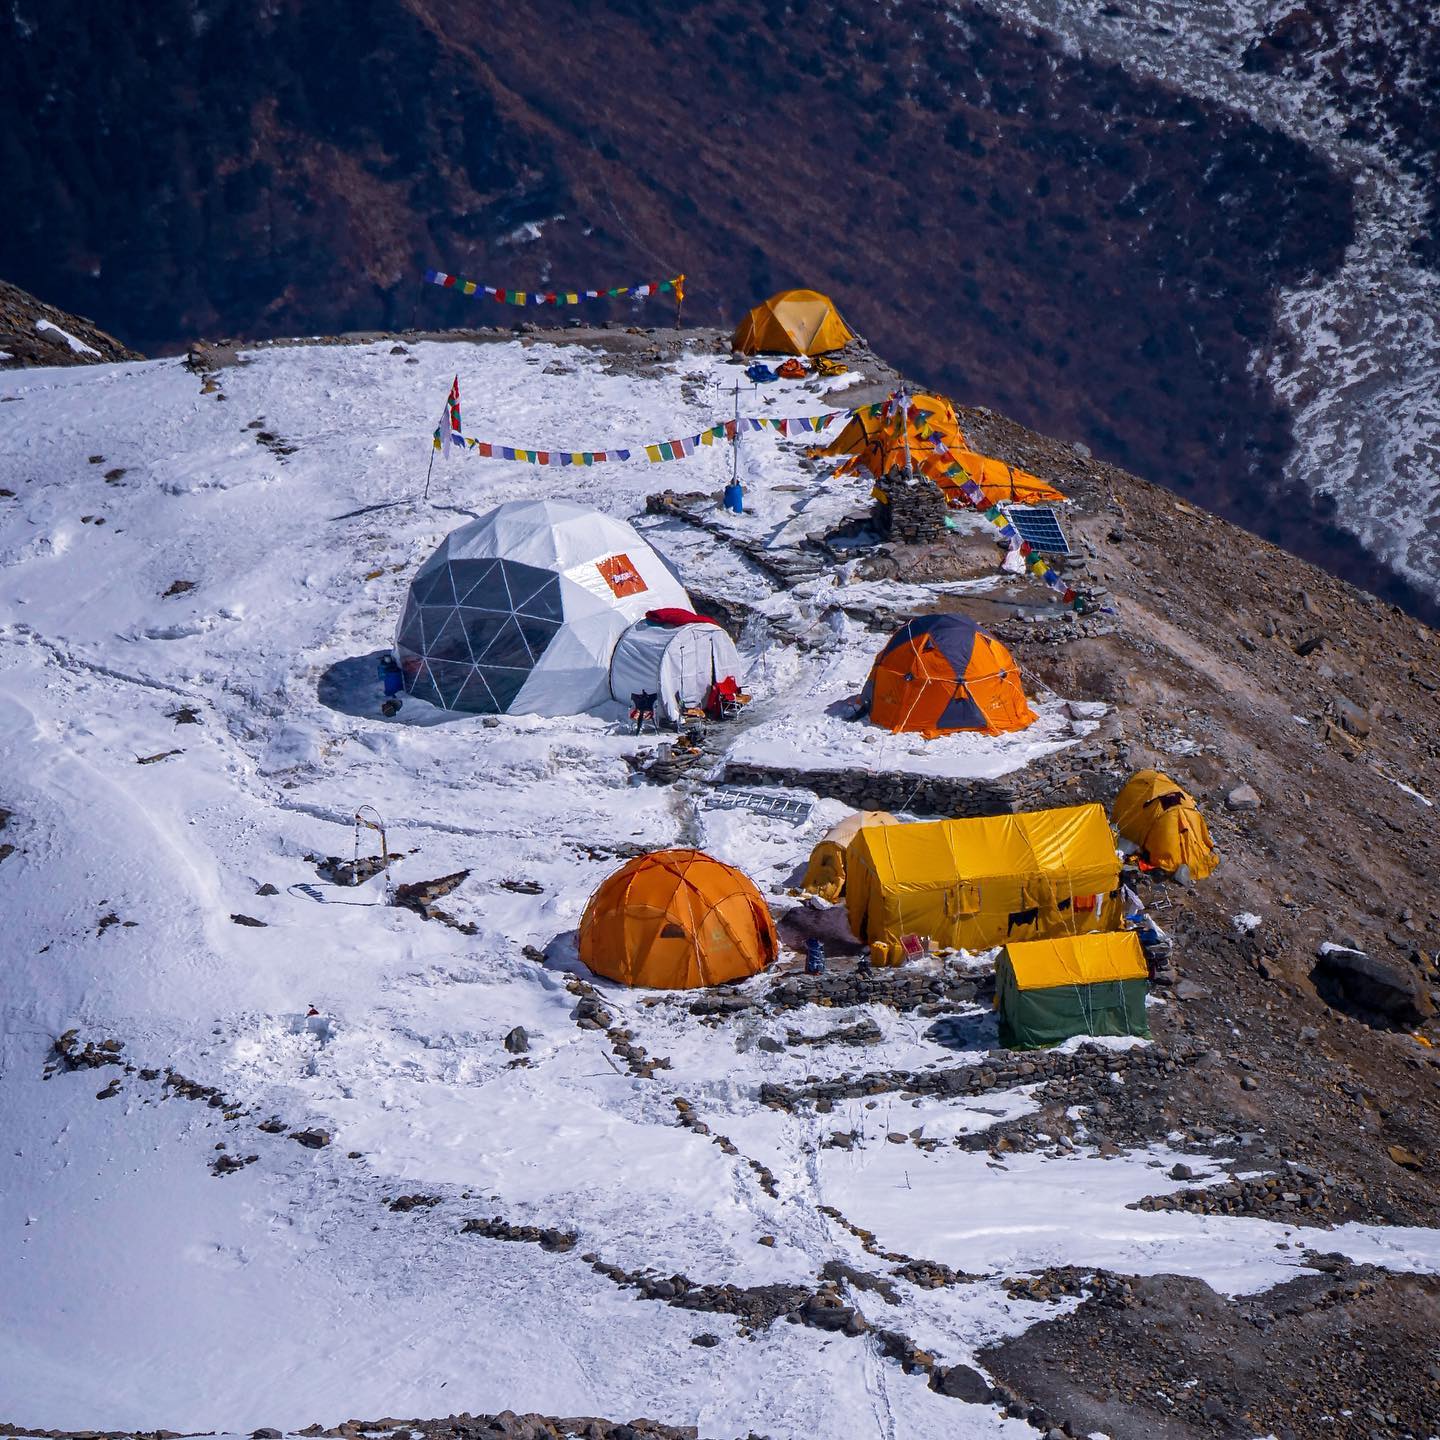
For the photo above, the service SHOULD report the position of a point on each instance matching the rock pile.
(590, 1014)
(903, 987)
(1089, 1067)
(914, 512)
(497, 1228)
(1271, 1198)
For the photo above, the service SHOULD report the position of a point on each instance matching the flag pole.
(428, 469)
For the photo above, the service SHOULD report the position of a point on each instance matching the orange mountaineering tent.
(875, 437)
(879, 437)
(794, 322)
(677, 920)
(1161, 820)
(942, 673)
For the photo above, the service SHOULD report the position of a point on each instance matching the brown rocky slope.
(1009, 218)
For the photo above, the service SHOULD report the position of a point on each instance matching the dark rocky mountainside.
(34, 333)
(1013, 222)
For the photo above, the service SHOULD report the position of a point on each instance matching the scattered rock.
(961, 1382)
(250, 920)
(1406, 1159)
(1243, 797)
(517, 1042)
(311, 1139)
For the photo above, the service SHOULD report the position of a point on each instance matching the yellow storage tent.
(825, 875)
(1163, 823)
(971, 884)
(794, 322)
(1048, 990)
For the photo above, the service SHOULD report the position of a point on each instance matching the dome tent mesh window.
(475, 630)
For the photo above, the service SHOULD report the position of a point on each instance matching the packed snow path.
(175, 589)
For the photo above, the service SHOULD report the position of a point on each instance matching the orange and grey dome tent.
(1161, 821)
(878, 438)
(794, 322)
(677, 920)
(942, 673)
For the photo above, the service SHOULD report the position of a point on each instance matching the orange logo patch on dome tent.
(621, 576)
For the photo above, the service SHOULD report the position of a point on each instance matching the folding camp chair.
(642, 710)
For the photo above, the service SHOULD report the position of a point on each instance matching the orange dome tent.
(677, 920)
(942, 673)
(794, 322)
(878, 437)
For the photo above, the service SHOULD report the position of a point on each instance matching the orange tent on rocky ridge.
(794, 322)
(1160, 820)
(879, 437)
(942, 673)
(677, 920)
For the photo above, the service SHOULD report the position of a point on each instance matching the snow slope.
(141, 1289)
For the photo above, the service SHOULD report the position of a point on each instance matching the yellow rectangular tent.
(972, 884)
(1049, 990)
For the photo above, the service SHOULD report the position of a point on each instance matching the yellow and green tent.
(1048, 990)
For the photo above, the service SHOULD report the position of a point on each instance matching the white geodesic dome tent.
(675, 663)
(520, 610)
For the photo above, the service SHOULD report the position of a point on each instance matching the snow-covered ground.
(142, 1290)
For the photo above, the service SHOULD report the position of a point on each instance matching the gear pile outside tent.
(880, 438)
(794, 322)
(520, 611)
(825, 874)
(677, 920)
(1048, 990)
(972, 884)
(1159, 821)
(941, 673)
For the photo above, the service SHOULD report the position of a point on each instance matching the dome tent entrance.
(520, 610)
(794, 322)
(942, 673)
(1160, 820)
(676, 663)
(1048, 990)
(677, 920)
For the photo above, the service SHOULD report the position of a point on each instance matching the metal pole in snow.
(735, 444)
(444, 421)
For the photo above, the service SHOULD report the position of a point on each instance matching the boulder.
(1371, 990)
(517, 1042)
(961, 1382)
(1243, 797)
(1352, 717)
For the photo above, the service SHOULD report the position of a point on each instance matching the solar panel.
(778, 807)
(1040, 526)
